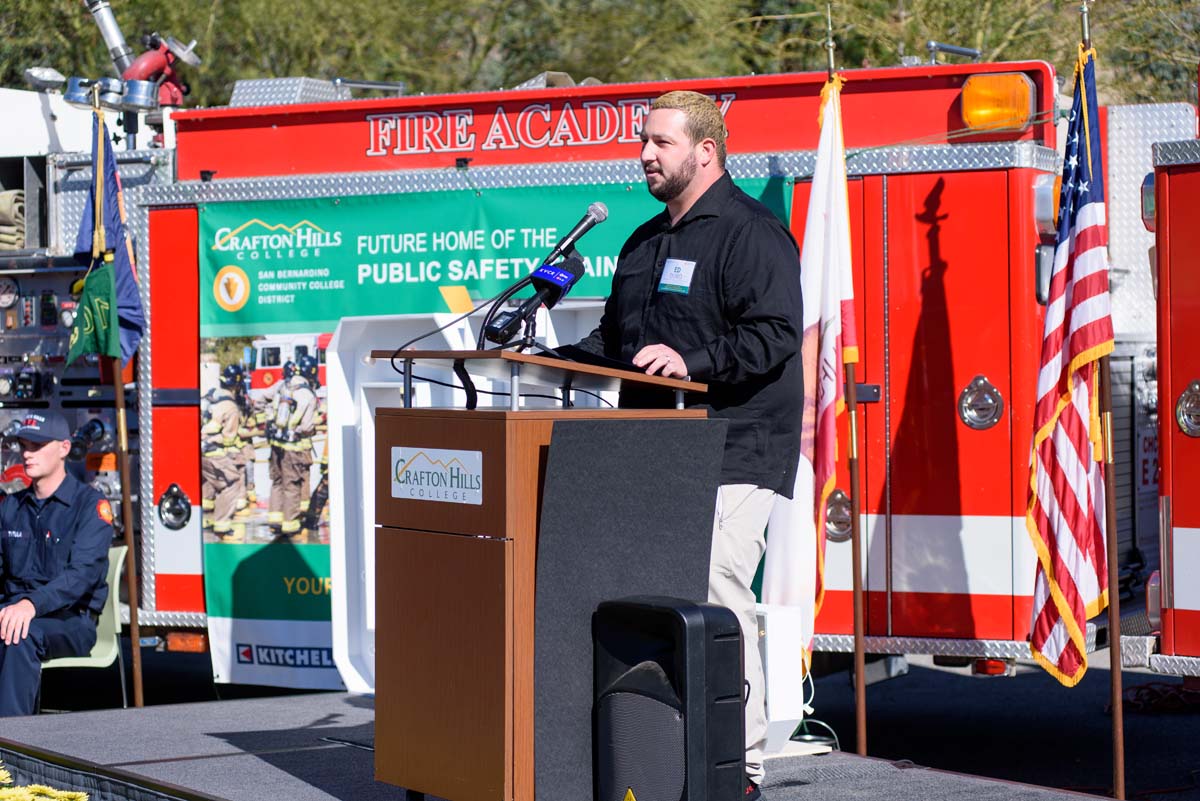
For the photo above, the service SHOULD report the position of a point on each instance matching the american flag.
(1066, 516)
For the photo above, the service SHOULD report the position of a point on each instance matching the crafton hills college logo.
(231, 288)
(431, 474)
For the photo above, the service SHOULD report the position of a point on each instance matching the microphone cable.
(443, 327)
(500, 296)
(448, 385)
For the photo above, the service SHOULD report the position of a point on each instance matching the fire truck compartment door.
(944, 286)
(1179, 402)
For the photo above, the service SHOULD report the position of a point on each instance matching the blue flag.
(130, 316)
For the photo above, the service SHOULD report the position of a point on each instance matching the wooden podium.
(458, 496)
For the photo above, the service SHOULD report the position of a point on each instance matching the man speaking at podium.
(710, 289)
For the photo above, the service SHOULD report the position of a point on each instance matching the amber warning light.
(194, 642)
(1001, 101)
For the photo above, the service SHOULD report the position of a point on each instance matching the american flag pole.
(1114, 596)
(860, 660)
(1072, 508)
(1110, 517)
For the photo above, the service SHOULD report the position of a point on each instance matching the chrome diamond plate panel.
(70, 177)
(148, 600)
(1167, 154)
(1136, 652)
(285, 91)
(180, 620)
(1175, 665)
(949, 158)
(876, 161)
(895, 160)
(1132, 132)
(997, 649)
(398, 182)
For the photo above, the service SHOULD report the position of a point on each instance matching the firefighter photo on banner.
(265, 512)
(264, 456)
(276, 277)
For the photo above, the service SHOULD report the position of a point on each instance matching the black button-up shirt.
(55, 551)
(737, 324)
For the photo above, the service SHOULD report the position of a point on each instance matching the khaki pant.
(294, 469)
(274, 510)
(248, 457)
(225, 475)
(738, 543)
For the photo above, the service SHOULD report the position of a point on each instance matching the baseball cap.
(43, 428)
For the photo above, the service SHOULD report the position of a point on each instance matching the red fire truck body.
(946, 239)
(1176, 211)
(269, 354)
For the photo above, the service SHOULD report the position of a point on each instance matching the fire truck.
(1172, 644)
(949, 562)
(262, 225)
(268, 355)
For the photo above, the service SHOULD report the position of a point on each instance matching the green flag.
(96, 328)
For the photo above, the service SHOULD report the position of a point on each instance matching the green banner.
(96, 324)
(274, 581)
(279, 265)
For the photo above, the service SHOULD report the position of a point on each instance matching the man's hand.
(661, 360)
(14, 621)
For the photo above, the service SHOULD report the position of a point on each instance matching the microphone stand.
(529, 338)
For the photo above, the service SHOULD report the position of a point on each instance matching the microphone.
(552, 283)
(596, 213)
(501, 327)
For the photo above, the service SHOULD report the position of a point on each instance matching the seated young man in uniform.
(54, 540)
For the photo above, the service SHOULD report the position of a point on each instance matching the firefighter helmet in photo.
(308, 369)
(233, 376)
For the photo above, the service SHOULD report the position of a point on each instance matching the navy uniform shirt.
(55, 552)
(721, 287)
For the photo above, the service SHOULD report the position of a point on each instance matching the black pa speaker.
(668, 701)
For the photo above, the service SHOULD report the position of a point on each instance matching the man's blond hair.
(704, 119)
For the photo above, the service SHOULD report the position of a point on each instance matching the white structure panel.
(179, 552)
(838, 557)
(1186, 544)
(357, 386)
(942, 554)
(50, 125)
(1024, 558)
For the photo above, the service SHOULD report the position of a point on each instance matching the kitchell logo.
(284, 656)
(257, 240)
(429, 474)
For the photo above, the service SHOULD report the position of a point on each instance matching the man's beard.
(673, 185)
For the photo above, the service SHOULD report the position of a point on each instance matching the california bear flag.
(794, 571)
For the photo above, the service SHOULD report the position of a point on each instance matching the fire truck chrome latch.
(1187, 410)
(980, 405)
(837, 517)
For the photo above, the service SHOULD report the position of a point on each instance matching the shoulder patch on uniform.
(104, 510)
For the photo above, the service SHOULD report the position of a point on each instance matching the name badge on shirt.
(676, 276)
